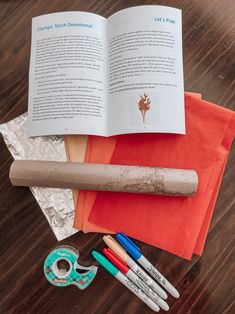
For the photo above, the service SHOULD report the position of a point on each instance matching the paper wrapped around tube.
(104, 177)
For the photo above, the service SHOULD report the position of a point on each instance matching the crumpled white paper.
(56, 204)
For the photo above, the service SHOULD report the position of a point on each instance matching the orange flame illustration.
(144, 105)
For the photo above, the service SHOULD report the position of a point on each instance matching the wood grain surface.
(206, 283)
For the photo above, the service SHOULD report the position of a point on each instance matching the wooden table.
(206, 283)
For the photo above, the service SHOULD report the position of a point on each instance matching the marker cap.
(129, 245)
(103, 261)
(116, 247)
(122, 266)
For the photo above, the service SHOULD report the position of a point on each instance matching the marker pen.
(116, 247)
(135, 252)
(122, 266)
(103, 261)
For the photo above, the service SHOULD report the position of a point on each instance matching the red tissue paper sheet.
(175, 224)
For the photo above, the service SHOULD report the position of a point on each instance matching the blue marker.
(135, 252)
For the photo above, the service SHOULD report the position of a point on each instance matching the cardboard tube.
(104, 177)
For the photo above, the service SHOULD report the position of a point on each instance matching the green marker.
(103, 261)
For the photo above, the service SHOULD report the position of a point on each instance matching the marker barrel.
(134, 289)
(147, 290)
(146, 278)
(158, 276)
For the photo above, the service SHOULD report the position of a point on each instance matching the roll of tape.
(62, 269)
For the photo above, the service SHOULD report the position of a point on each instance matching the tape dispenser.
(62, 269)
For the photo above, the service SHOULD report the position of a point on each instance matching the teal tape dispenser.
(62, 269)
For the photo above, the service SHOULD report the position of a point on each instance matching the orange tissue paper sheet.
(78, 149)
(75, 147)
(98, 150)
(176, 224)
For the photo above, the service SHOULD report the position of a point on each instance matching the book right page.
(145, 71)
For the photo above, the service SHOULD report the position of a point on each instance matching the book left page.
(67, 77)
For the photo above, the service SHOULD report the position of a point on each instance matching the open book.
(92, 75)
